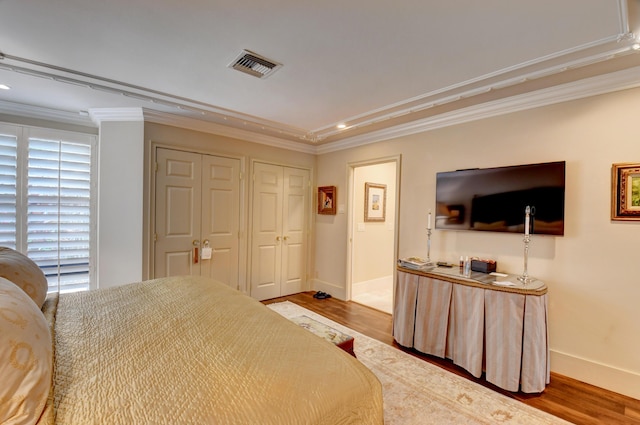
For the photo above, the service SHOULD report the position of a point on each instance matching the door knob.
(278, 238)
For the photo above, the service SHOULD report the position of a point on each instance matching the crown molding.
(620, 80)
(593, 86)
(100, 115)
(48, 114)
(225, 131)
(557, 63)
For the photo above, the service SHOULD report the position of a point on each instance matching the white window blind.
(46, 207)
(8, 189)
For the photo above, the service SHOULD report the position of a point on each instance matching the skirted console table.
(478, 324)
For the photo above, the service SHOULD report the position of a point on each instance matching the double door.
(280, 230)
(197, 208)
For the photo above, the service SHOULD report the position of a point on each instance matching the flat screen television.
(494, 199)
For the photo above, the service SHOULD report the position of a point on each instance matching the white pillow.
(25, 273)
(25, 357)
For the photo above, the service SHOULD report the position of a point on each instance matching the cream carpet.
(417, 392)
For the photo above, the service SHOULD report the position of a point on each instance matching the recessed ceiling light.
(4, 87)
(341, 126)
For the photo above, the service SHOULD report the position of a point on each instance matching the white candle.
(429, 221)
(527, 211)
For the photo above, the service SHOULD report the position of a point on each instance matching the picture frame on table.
(625, 192)
(375, 202)
(327, 200)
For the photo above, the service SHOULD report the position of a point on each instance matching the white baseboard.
(603, 376)
(328, 287)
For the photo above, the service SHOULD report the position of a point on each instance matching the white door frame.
(351, 166)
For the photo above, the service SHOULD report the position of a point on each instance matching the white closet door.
(279, 223)
(197, 203)
(266, 242)
(294, 234)
(221, 218)
(178, 213)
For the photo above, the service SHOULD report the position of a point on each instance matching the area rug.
(417, 392)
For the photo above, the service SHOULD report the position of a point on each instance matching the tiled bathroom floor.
(378, 296)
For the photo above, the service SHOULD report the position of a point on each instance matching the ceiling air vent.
(254, 64)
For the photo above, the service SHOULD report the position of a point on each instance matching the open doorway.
(373, 232)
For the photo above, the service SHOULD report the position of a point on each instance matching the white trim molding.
(602, 375)
(225, 131)
(593, 86)
(601, 84)
(99, 115)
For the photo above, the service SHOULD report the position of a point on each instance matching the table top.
(493, 281)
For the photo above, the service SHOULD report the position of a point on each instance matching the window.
(46, 202)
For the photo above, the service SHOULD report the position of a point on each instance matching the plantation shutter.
(8, 190)
(46, 206)
(59, 211)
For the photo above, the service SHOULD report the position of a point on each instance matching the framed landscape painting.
(625, 191)
(375, 201)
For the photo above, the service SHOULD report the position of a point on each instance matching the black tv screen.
(495, 199)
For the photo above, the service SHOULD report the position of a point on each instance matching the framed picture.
(625, 192)
(375, 201)
(327, 200)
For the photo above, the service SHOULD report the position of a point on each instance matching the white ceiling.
(371, 64)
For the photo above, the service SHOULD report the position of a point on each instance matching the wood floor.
(564, 397)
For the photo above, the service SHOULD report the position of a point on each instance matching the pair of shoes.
(321, 295)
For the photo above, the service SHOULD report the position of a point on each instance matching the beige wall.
(591, 272)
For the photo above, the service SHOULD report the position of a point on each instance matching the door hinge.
(241, 175)
(155, 237)
(156, 167)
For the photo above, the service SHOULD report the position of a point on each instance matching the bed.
(186, 350)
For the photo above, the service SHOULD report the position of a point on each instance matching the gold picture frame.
(375, 201)
(327, 200)
(625, 192)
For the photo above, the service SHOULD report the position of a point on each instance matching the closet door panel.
(266, 244)
(178, 212)
(221, 218)
(296, 188)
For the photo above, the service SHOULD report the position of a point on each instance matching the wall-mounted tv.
(494, 199)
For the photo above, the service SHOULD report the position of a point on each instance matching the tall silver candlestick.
(525, 278)
(428, 245)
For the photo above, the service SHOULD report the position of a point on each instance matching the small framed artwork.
(327, 200)
(625, 191)
(375, 201)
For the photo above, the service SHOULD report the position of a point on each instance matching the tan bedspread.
(192, 351)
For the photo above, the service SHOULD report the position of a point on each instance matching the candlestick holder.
(525, 278)
(428, 245)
